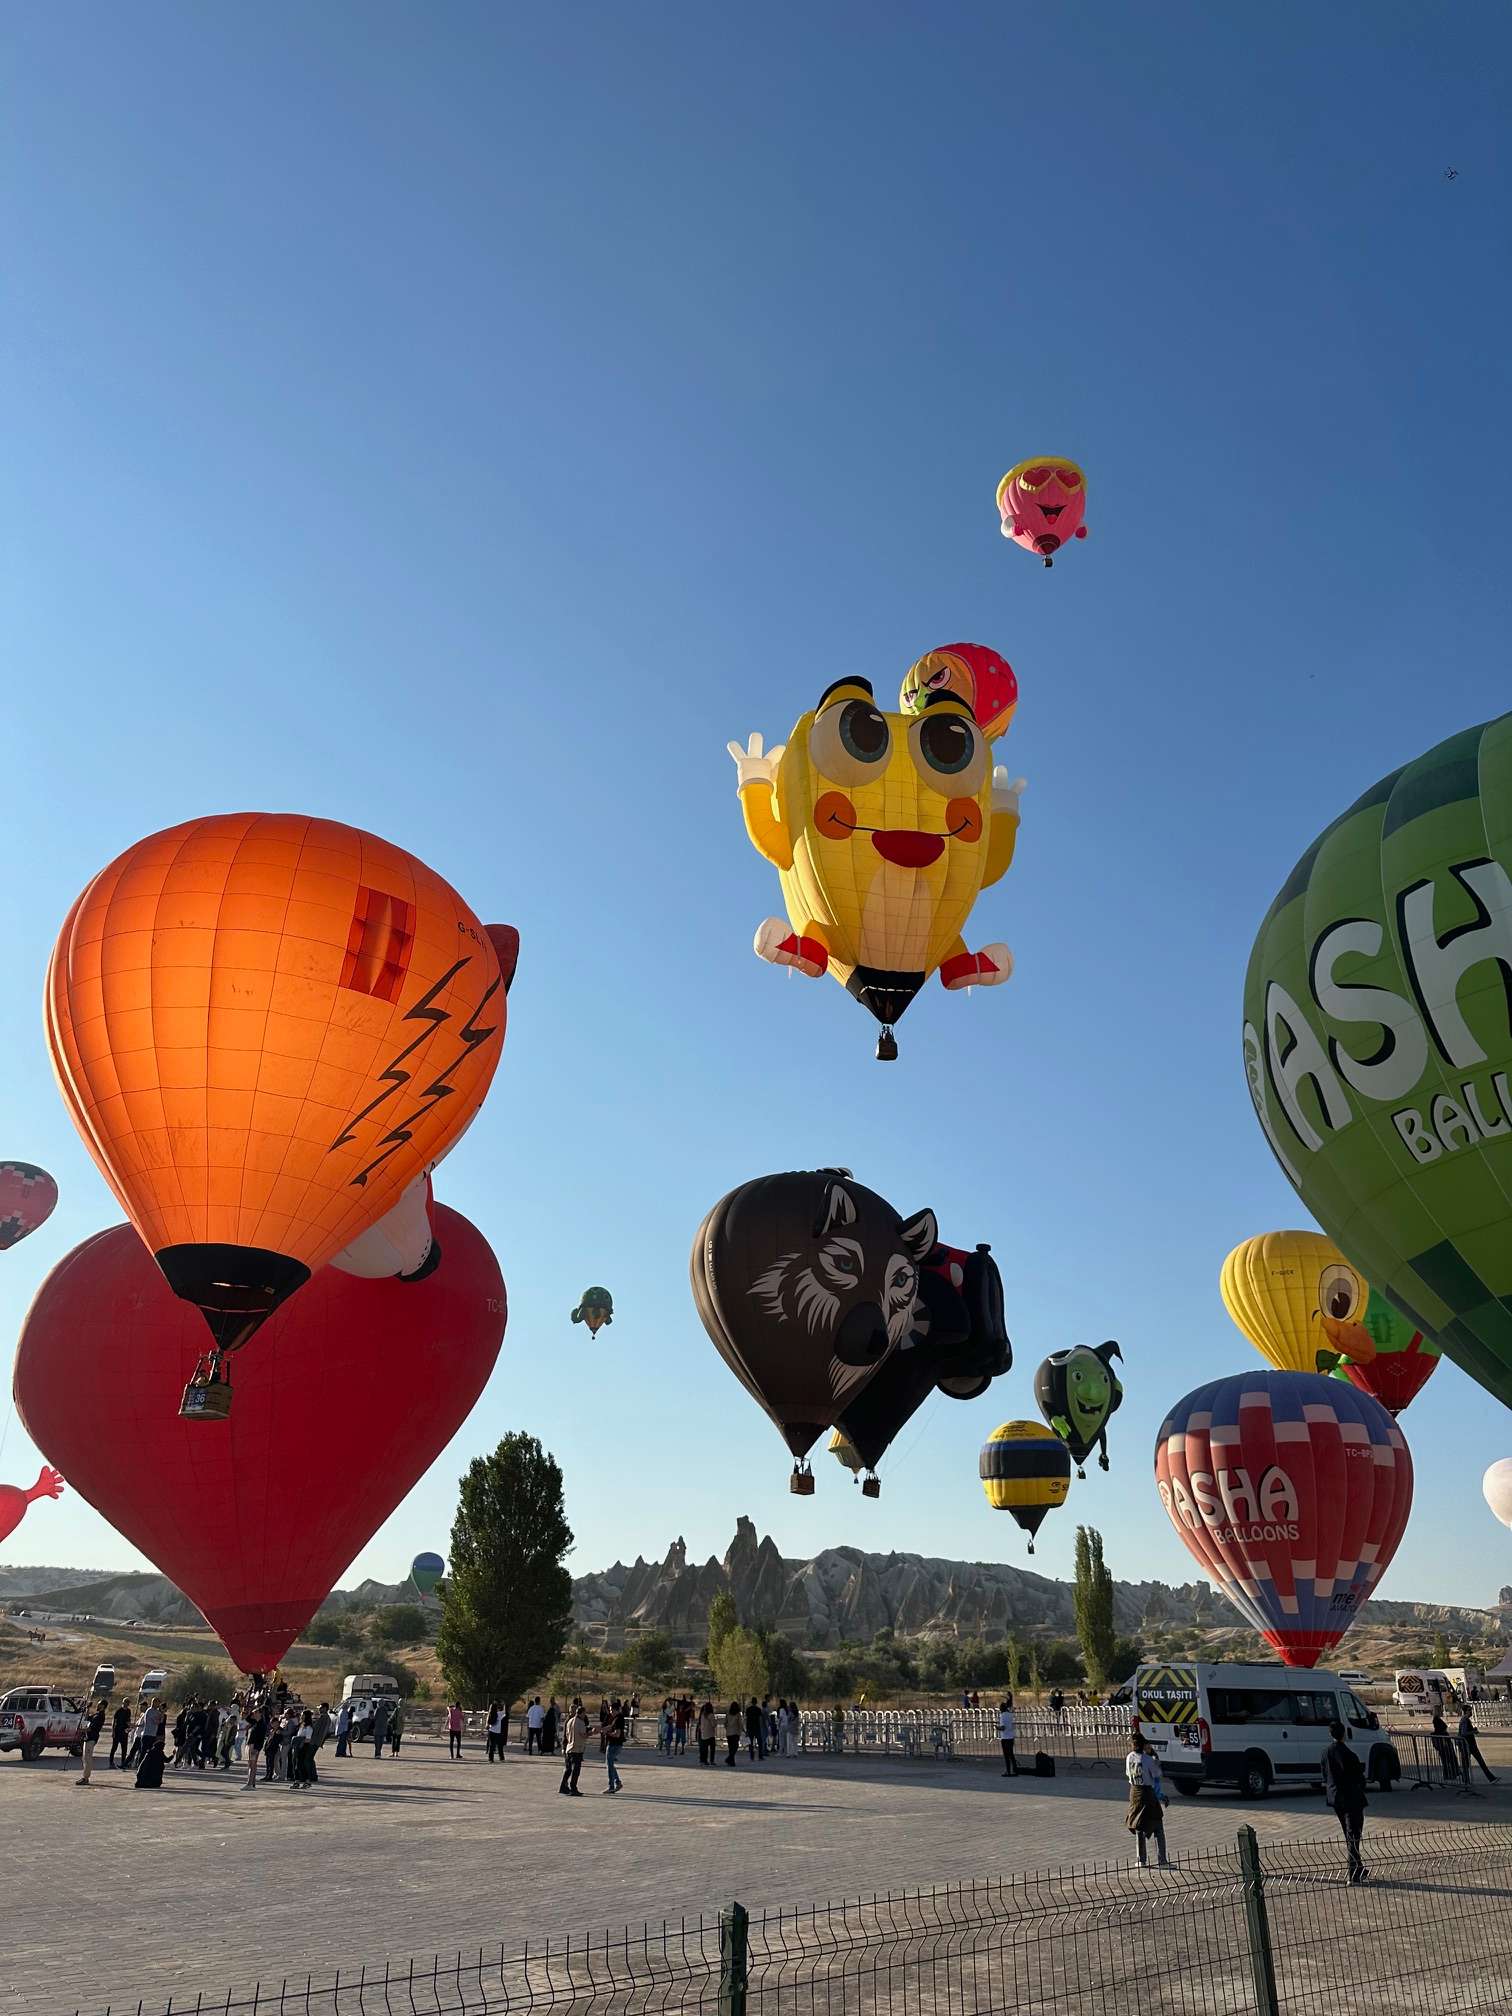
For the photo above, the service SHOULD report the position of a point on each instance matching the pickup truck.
(34, 1719)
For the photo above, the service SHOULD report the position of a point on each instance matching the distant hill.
(145, 1598)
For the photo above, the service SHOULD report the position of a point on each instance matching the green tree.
(1036, 1686)
(740, 1668)
(787, 1674)
(399, 1624)
(653, 1657)
(506, 1605)
(1011, 1660)
(1440, 1650)
(325, 1630)
(837, 1680)
(202, 1681)
(723, 1619)
(1094, 1606)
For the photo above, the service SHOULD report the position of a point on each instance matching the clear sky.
(460, 421)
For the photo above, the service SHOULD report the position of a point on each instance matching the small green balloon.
(1378, 1042)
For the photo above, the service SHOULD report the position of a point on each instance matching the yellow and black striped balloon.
(1025, 1470)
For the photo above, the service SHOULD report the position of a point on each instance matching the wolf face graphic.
(858, 1303)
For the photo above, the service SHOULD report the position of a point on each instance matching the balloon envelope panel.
(1292, 1492)
(1378, 1041)
(28, 1196)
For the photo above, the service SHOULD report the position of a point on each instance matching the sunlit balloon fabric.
(28, 1196)
(1496, 1488)
(1404, 1358)
(1297, 1300)
(1025, 1471)
(265, 1026)
(1292, 1492)
(1378, 1041)
(975, 674)
(1042, 504)
(354, 1389)
(883, 828)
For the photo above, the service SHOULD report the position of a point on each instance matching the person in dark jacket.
(753, 1729)
(1445, 1748)
(149, 1775)
(1344, 1789)
(1469, 1747)
(120, 1735)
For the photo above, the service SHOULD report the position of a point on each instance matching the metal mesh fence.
(1255, 1930)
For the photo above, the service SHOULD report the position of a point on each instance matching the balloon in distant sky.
(595, 1308)
(28, 1196)
(1297, 1300)
(426, 1571)
(1378, 1041)
(14, 1501)
(806, 1282)
(883, 828)
(1078, 1392)
(1404, 1358)
(1496, 1486)
(1025, 1471)
(974, 674)
(1042, 503)
(1292, 1492)
(354, 1390)
(264, 1027)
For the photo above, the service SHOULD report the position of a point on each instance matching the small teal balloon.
(426, 1571)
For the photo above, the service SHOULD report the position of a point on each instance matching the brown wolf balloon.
(806, 1282)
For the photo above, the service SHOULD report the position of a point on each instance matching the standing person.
(299, 1740)
(343, 1727)
(257, 1735)
(322, 1727)
(1469, 1747)
(549, 1728)
(1344, 1789)
(768, 1725)
(495, 1723)
(239, 1733)
(734, 1730)
(683, 1718)
(1006, 1731)
(225, 1741)
(708, 1732)
(965, 1698)
(534, 1717)
(454, 1729)
(753, 1730)
(180, 1736)
(618, 1720)
(396, 1729)
(1445, 1748)
(380, 1727)
(120, 1725)
(96, 1723)
(574, 1743)
(272, 1746)
(209, 1736)
(1147, 1799)
(666, 1733)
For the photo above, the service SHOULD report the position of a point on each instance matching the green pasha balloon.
(1378, 1042)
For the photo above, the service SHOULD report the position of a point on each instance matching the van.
(152, 1685)
(1253, 1726)
(1424, 1690)
(360, 1691)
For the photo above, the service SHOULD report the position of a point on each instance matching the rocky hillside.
(846, 1593)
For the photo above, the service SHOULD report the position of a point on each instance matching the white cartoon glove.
(1005, 795)
(751, 767)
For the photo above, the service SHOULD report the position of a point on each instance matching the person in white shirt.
(535, 1715)
(1147, 1799)
(1006, 1730)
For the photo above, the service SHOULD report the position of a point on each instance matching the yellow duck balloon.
(1298, 1301)
(883, 828)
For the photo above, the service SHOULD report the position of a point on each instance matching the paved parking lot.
(205, 1888)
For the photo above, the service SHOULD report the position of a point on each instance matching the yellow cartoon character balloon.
(883, 828)
(1298, 1301)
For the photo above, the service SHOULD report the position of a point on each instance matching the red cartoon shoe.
(988, 968)
(779, 943)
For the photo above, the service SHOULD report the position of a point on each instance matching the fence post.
(734, 1951)
(1262, 1961)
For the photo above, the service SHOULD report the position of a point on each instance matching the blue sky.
(462, 421)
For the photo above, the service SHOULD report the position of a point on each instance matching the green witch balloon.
(1378, 1042)
(1078, 1391)
(595, 1308)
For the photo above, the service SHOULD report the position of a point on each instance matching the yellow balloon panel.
(1297, 1298)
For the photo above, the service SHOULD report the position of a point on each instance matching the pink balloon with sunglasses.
(1043, 504)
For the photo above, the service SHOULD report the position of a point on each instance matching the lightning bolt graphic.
(470, 1035)
(391, 1073)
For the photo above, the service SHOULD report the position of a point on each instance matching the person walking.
(1006, 1729)
(225, 1742)
(257, 1736)
(92, 1730)
(1469, 1746)
(343, 1727)
(574, 1744)
(1147, 1800)
(495, 1724)
(454, 1730)
(380, 1727)
(1445, 1748)
(534, 1716)
(708, 1732)
(120, 1735)
(615, 1743)
(396, 1729)
(734, 1730)
(1344, 1789)
(753, 1729)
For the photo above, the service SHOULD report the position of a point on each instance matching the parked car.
(34, 1719)
(1254, 1726)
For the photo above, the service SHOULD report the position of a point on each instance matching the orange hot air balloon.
(265, 1026)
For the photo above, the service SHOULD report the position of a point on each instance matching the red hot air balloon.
(28, 1196)
(1292, 1492)
(355, 1388)
(14, 1501)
